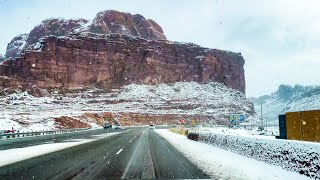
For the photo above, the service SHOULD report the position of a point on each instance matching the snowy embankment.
(268, 133)
(301, 157)
(212, 103)
(11, 156)
(222, 164)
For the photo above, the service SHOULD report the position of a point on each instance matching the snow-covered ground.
(222, 164)
(270, 133)
(25, 112)
(297, 156)
(14, 155)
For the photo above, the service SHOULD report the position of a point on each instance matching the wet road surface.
(137, 153)
(51, 138)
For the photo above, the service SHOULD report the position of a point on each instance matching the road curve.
(138, 153)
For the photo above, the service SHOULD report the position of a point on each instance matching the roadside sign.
(193, 122)
(242, 118)
(181, 120)
(237, 118)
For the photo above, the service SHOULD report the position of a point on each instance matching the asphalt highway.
(135, 153)
(50, 138)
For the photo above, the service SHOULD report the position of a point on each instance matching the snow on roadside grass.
(297, 156)
(222, 164)
(11, 156)
(239, 132)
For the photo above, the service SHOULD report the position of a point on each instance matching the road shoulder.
(221, 164)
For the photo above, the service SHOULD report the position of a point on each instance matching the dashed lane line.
(119, 151)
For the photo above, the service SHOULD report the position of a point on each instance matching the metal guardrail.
(37, 133)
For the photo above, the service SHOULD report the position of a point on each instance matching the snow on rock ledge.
(214, 99)
(302, 157)
(105, 22)
(17, 45)
(131, 105)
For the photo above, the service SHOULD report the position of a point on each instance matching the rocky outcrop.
(105, 22)
(36, 92)
(83, 59)
(125, 23)
(16, 46)
(127, 119)
(56, 27)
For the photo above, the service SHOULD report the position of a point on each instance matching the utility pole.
(261, 112)
(266, 124)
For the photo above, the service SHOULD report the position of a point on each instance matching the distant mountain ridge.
(287, 99)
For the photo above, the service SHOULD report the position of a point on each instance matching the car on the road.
(152, 126)
(118, 126)
(9, 131)
(107, 126)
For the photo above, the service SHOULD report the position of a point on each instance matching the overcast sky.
(280, 39)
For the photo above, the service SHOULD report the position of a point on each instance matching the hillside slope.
(131, 105)
(287, 99)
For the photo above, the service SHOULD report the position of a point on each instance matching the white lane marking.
(119, 151)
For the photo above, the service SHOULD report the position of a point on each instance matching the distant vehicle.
(118, 126)
(107, 126)
(152, 126)
(9, 131)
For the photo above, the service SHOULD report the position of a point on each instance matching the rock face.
(56, 27)
(105, 22)
(83, 59)
(125, 23)
(16, 46)
(1, 57)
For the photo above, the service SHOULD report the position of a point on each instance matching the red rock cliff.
(105, 22)
(111, 21)
(114, 60)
